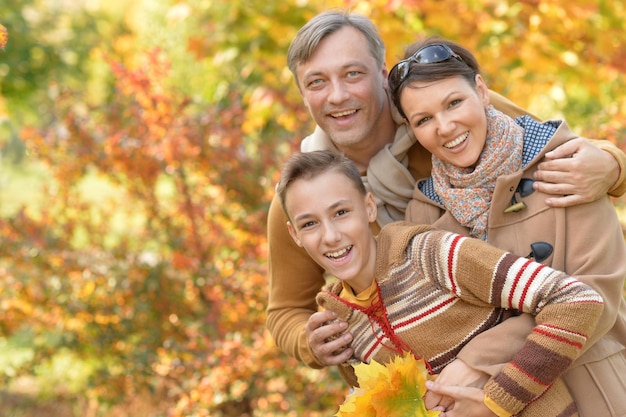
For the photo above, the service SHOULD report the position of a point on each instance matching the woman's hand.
(456, 373)
(465, 401)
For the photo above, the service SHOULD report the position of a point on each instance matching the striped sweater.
(436, 290)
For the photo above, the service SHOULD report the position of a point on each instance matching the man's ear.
(370, 207)
(293, 234)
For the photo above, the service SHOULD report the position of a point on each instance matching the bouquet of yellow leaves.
(392, 390)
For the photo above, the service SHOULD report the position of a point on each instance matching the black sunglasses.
(430, 54)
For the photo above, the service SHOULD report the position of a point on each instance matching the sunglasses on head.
(430, 54)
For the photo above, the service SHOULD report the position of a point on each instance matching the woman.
(487, 158)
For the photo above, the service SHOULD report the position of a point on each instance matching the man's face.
(344, 89)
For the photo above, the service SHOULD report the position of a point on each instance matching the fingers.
(433, 400)
(326, 338)
(576, 172)
(568, 149)
(460, 373)
(444, 390)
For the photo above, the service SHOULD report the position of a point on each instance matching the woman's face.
(448, 117)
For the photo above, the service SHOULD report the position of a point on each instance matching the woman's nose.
(445, 126)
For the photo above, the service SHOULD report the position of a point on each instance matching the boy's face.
(330, 219)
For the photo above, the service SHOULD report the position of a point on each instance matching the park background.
(139, 145)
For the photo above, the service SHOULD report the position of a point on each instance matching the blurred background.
(139, 146)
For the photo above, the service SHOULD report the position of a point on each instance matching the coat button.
(514, 208)
(540, 251)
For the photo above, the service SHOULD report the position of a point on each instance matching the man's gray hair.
(326, 23)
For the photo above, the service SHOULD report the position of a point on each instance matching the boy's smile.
(330, 220)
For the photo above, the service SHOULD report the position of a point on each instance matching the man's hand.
(467, 401)
(457, 373)
(576, 172)
(324, 334)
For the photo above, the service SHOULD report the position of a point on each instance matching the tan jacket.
(586, 242)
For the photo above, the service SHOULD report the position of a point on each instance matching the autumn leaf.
(392, 390)
(4, 36)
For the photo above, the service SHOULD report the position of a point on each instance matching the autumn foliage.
(393, 389)
(139, 268)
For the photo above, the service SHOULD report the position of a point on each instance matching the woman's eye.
(422, 121)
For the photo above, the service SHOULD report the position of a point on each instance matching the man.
(338, 63)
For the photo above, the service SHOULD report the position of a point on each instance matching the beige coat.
(587, 242)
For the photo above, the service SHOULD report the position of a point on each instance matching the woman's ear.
(482, 89)
(294, 234)
(370, 207)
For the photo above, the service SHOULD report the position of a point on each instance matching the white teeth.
(456, 141)
(339, 253)
(343, 113)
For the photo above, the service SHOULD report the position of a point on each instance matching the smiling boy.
(414, 288)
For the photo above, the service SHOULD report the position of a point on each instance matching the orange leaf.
(4, 36)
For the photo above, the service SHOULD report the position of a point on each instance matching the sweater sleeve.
(566, 310)
(619, 188)
(294, 281)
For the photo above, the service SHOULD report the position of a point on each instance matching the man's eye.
(307, 224)
(314, 83)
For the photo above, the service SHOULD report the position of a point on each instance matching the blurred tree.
(162, 125)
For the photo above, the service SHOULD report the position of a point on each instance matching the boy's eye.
(307, 224)
(342, 212)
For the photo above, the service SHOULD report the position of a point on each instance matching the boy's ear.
(370, 207)
(293, 234)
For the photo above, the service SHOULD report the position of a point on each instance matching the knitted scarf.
(466, 192)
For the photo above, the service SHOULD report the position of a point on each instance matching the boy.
(417, 289)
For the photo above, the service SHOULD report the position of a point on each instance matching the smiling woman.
(483, 163)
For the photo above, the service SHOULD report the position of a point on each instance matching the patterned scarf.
(466, 192)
